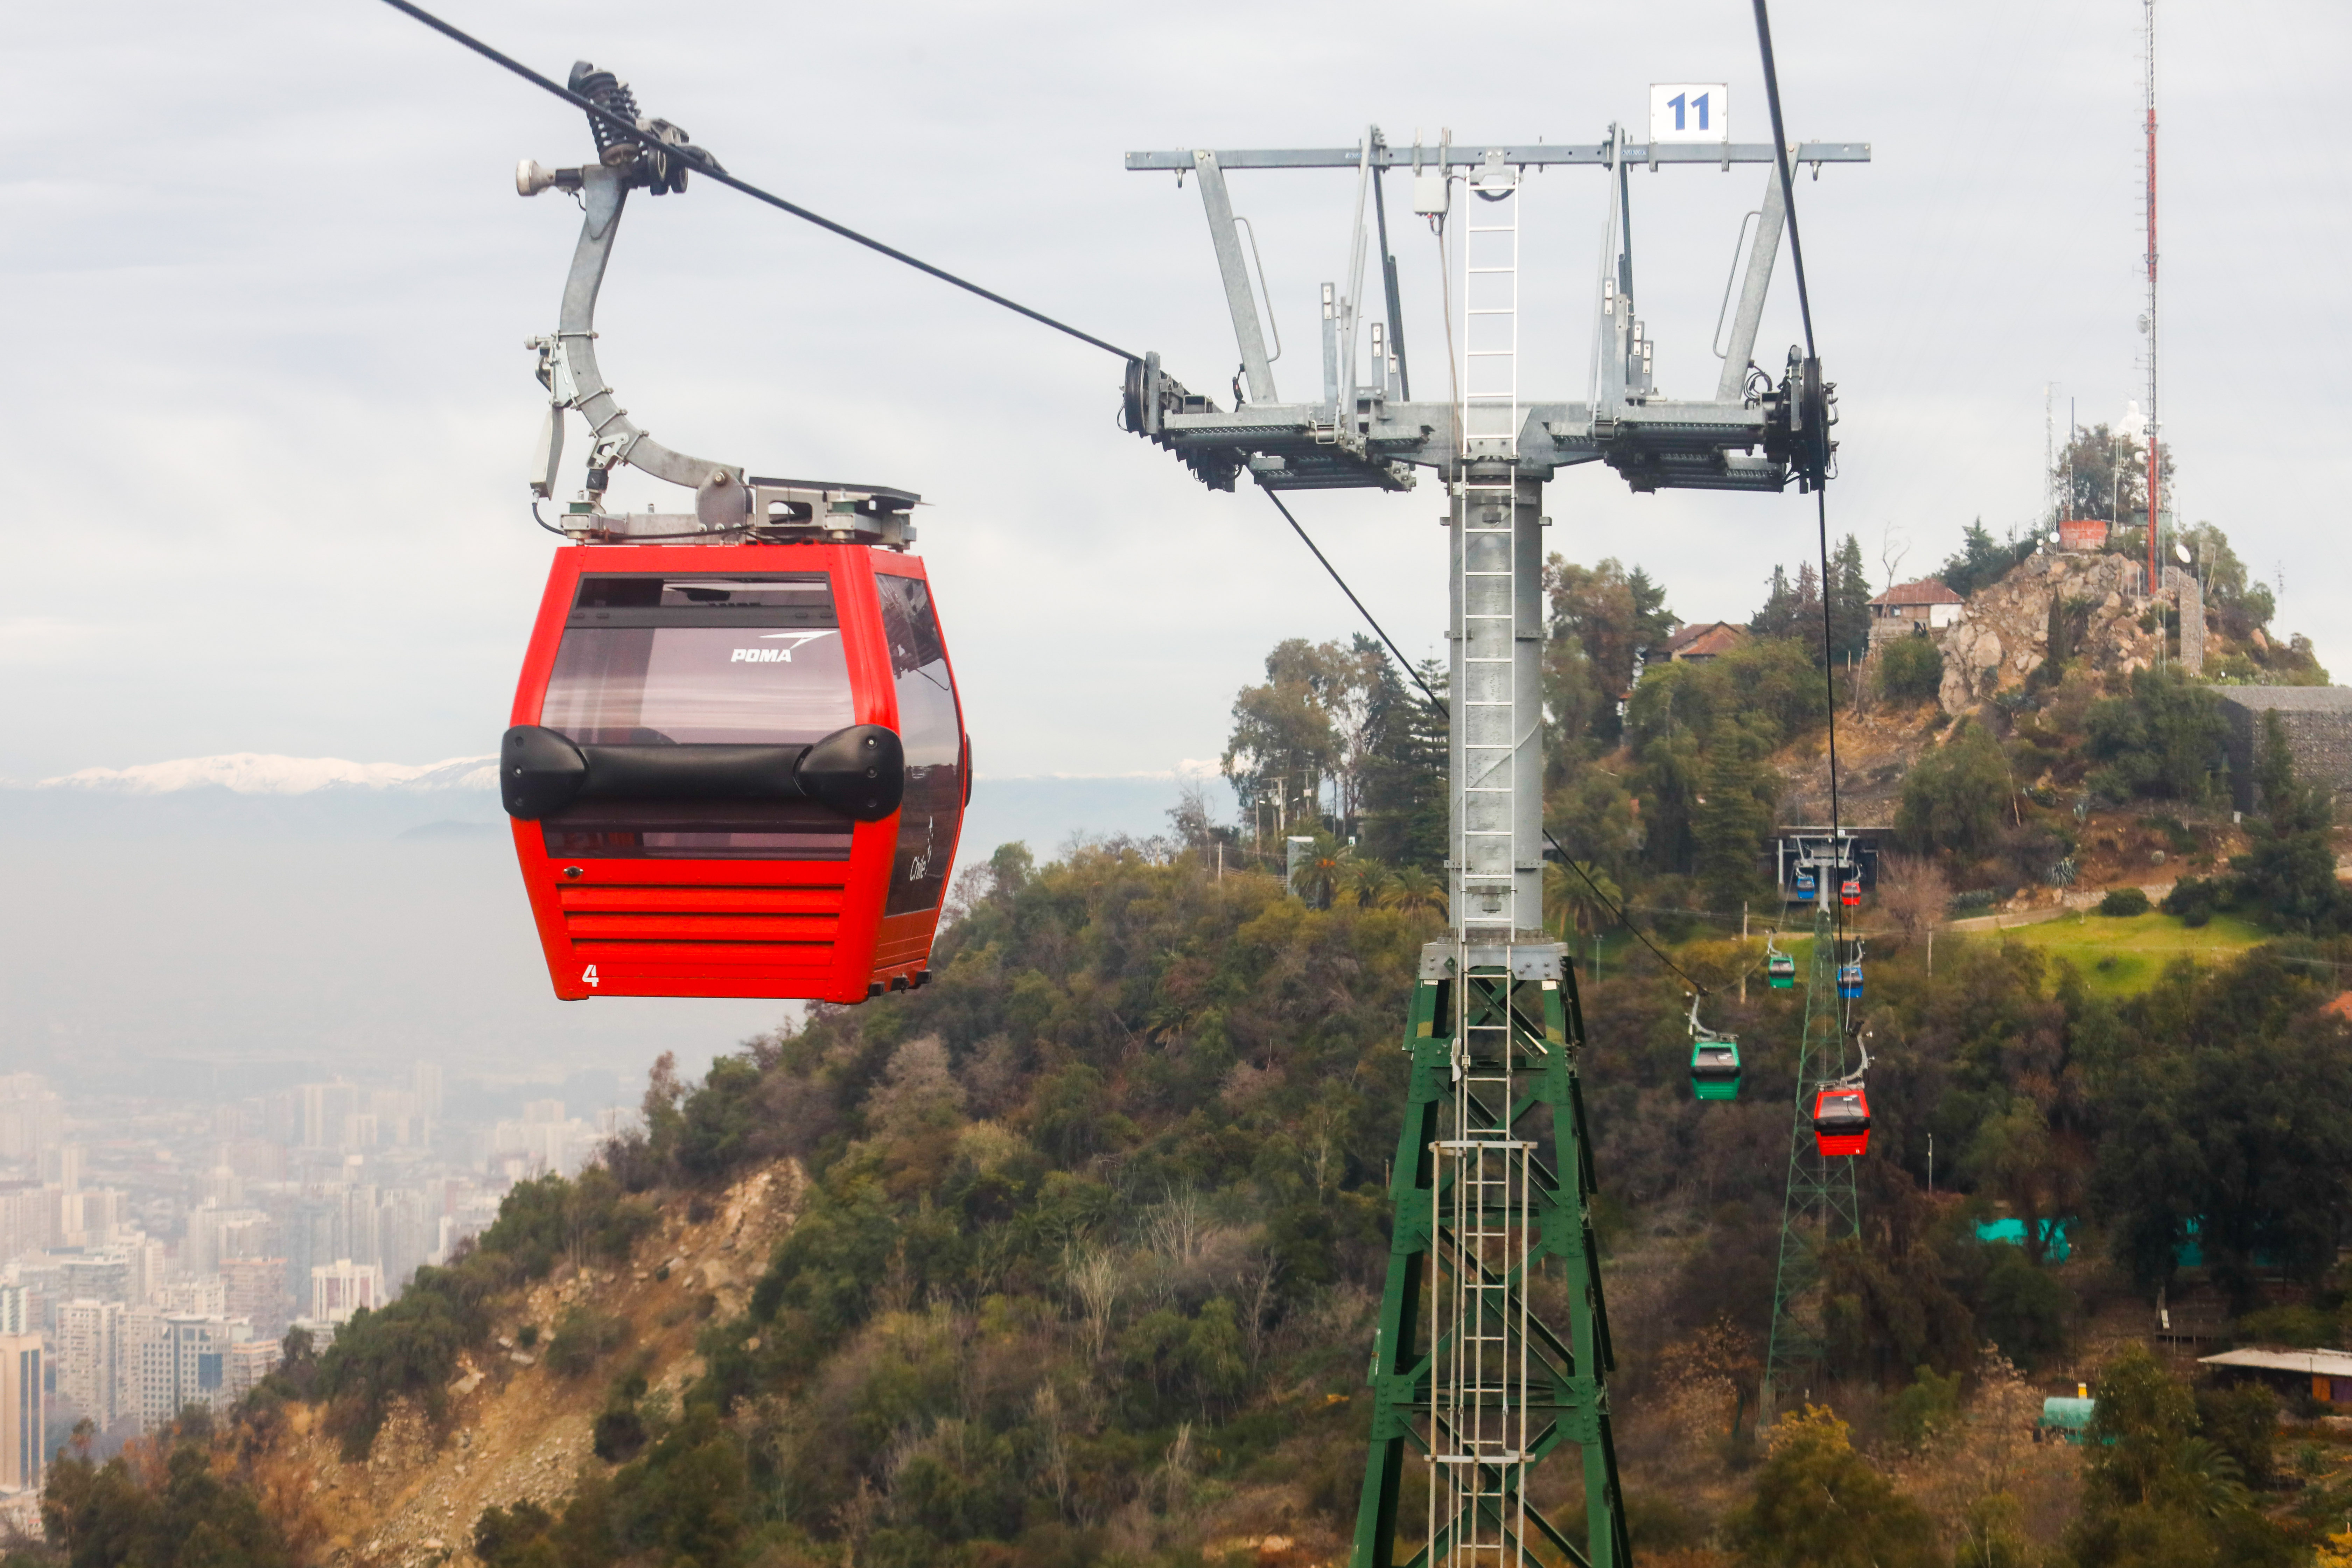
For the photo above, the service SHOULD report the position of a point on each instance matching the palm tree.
(1581, 904)
(1321, 871)
(1414, 889)
(1368, 882)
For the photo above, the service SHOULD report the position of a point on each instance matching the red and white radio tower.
(2155, 501)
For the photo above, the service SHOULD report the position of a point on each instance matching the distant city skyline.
(154, 1254)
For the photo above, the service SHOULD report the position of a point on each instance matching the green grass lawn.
(2121, 956)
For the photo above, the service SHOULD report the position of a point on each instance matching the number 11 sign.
(1689, 112)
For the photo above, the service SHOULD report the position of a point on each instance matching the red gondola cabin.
(736, 769)
(1841, 1120)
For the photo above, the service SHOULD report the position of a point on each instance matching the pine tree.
(1402, 771)
(1849, 603)
(2290, 866)
(1731, 817)
(1778, 618)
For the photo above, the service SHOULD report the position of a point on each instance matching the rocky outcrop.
(2003, 633)
(517, 1430)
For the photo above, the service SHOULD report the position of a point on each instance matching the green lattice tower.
(1493, 1183)
(1820, 1205)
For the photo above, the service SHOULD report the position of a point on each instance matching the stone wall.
(2004, 632)
(2318, 724)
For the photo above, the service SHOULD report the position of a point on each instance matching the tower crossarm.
(1466, 155)
(1366, 433)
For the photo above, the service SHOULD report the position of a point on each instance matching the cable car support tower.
(1472, 1389)
(1819, 1204)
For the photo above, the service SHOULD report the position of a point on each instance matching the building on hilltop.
(1703, 640)
(1908, 607)
(2318, 724)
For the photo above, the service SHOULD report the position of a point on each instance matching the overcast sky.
(268, 413)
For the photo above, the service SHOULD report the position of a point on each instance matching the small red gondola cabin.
(1841, 1120)
(737, 769)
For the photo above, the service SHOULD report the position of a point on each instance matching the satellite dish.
(2181, 550)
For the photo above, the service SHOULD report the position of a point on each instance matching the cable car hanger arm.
(568, 365)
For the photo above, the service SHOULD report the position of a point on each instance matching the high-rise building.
(255, 1287)
(24, 1413)
(147, 1263)
(250, 1361)
(90, 1359)
(32, 1116)
(425, 1080)
(28, 1218)
(407, 1231)
(324, 1105)
(89, 1216)
(174, 1360)
(62, 1166)
(339, 1289)
(15, 1311)
(218, 1232)
(201, 1295)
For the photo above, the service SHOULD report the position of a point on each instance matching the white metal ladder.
(1487, 711)
(1478, 1327)
(1490, 311)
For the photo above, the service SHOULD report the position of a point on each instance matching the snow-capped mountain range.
(255, 773)
(258, 796)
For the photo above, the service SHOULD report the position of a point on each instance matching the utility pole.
(1493, 1177)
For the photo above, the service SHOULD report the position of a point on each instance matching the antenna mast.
(2155, 500)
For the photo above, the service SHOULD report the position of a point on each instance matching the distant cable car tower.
(1819, 1204)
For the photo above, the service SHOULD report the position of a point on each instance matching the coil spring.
(610, 93)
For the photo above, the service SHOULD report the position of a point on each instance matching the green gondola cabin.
(1715, 1069)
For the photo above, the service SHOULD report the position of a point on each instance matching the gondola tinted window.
(933, 733)
(651, 659)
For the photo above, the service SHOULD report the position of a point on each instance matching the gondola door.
(929, 722)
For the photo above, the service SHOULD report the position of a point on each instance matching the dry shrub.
(1995, 1493)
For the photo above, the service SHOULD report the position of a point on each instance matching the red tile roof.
(1927, 591)
(1705, 640)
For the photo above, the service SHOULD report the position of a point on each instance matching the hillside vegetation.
(1080, 1268)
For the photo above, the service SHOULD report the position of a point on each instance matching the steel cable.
(703, 163)
(1612, 906)
(1820, 488)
